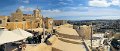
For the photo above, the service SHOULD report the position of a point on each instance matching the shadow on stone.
(48, 42)
(68, 41)
(69, 36)
(55, 49)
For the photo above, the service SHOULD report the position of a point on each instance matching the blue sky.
(66, 9)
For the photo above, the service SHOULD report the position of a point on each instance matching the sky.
(65, 9)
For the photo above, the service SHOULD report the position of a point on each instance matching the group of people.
(46, 39)
(2, 47)
(37, 37)
(22, 46)
(19, 46)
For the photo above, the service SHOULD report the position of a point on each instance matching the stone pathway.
(68, 40)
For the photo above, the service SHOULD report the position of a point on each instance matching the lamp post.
(51, 22)
(91, 35)
(31, 24)
(43, 38)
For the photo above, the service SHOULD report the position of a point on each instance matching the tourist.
(2, 47)
(29, 39)
(19, 46)
(35, 39)
(48, 36)
(23, 46)
(39, 38)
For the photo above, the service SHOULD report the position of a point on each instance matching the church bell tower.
(36, 13)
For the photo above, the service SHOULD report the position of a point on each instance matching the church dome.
(18, 10)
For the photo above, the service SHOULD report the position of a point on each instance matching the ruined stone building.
(59, 22)
(86, 31)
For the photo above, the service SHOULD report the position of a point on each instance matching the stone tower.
(37, 13)
(37, 17)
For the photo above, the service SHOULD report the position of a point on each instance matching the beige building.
(60, 22)
(14, 25)
(35, 18)
(85, 31)
(3, 20)
(48, 23)
(19, 16)
(75, 27)
(25, 21)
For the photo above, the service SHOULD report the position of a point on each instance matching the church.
(25, 21)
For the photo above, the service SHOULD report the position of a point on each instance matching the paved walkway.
(68, 40)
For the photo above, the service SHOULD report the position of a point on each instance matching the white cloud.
(103, 11)
(67, 0)
(78, 8)
(90, 12)
(104, 3)
(23, 8)
(99, 3)
(80, 4)
(70, 0)
(63, 3)
(52, 11)
(26, 1)
(109, 17)
(115, 2)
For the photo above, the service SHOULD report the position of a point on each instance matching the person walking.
(23, 46)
